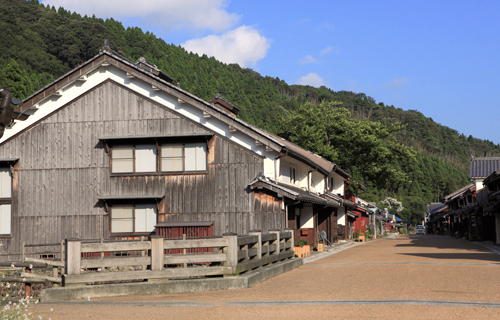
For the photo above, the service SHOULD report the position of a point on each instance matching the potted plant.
(361, 237)
(301, 248)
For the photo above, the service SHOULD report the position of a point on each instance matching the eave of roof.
(108, 57)
(458, 192)
(291, 192)
(322, 165)
(132, 197)
(492, 177)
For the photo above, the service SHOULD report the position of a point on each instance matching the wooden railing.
(230, 255)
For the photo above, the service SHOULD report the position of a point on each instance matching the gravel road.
(411, 277)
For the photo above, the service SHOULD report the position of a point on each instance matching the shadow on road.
(464, 250)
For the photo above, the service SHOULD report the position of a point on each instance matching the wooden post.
(73, 256)
(142, 254)
(184, 251)
(27, 286)
(102, 257)
(23, 251)
(277, 232)
(258, 233)
(55, 273)
(292, 240)
(157, 259)
(231, 250)
(62, 256)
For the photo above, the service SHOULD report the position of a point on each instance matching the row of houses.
(115, 150)
(472, 211)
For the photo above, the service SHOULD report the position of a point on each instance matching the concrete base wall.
(246, 280)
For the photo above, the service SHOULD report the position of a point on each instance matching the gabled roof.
(483, 167)
(459, 192)
(162, 81)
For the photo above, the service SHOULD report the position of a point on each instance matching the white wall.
(341, 216)
(306, 217)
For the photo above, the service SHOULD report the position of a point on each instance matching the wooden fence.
(230, 255)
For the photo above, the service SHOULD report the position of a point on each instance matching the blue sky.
(438, 57)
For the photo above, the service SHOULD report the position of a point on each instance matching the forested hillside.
(39, 44)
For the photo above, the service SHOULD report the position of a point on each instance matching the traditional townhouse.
(434, 215)
(480, 169)
(113, 149)
(492, 184)
(461, 211)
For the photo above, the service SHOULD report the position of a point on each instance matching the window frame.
(4, 201)
(133, 204)
(159, 142)
(293, 170)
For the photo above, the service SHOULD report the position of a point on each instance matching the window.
(292, 176)
(139, 218)
(5, 201)
(134, 159)
(184, 157)
(168, 157)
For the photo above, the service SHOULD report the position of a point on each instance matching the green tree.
(367, 149)
(16, 81)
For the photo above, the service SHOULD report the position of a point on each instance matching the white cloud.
(312, 79)
(308, 59)
(326, 50)
(170, 14)
(244, 46)
(396, 83)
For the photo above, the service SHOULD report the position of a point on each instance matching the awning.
(291, 192)
(352, 214)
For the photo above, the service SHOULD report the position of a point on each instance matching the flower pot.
(361, 239)
(299, 251)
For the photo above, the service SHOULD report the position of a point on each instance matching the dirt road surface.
(411, 277)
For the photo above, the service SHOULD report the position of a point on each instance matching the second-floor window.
(292, 176)
(150, 158)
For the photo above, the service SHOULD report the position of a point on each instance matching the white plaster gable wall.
(102, 73)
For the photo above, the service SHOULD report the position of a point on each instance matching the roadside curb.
(246, 280)
(333, 251)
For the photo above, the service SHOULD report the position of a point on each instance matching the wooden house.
(113, 148)
(461, 206)
(492, 206)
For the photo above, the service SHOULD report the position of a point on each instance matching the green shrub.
(356, 233)
(301, 243)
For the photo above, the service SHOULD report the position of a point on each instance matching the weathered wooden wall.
(63, 168)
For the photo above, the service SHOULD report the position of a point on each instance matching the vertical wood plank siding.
(63, 168)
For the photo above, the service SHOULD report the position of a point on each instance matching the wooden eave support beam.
(105, 64)
(155, 88)
(206, 114)
(232, 129)
(130, 75)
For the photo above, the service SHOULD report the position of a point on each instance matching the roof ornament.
(106, 47)
(7, 113)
